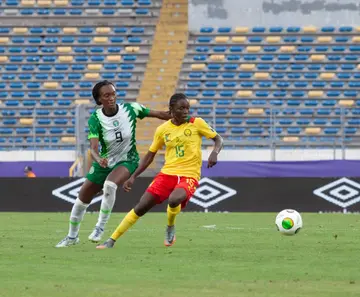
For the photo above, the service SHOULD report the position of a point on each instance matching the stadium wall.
(252, 13)
(289, 154)
(213, 194)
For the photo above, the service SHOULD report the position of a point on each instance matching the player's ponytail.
(174, 98)
(96, 90)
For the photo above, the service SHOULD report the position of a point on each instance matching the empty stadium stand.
(294, 85)
(259, 87)
(47, 69)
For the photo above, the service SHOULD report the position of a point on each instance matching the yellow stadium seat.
(20, 30)
(70, 30)
(4, 39)
(356, 39)
(65, 58)
(324, 39)
(327, 75)
(238, 39)
(92, 75)
(244, 93)
(310, 29)
(247, 66)
(313, 130)
(3, 58)
(113, 58)
(253, 49)
(287, 49)
(61, 2)
(241, 29)
(313, 94)
(357, 29)
(28, 3)
(222, 39)
(291, 139)
(103, 30)
(193, 102)
(44, 3)
(102, 39)
(317, 57)
(51, 84)
(26, 121)
(94, 66)
(197, 66)
(64, 49)
(217, 57)
(346, 103)
(261, 75)
(273, 39)
(132, 49)
(256, 111)
(82, 101)
(68, 139)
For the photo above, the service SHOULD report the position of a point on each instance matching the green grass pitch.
(216, 255)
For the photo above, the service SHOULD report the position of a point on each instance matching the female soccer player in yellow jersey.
(179, 177)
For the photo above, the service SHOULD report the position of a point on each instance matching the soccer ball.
(288, 222)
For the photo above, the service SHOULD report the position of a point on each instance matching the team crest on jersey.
(92, 169)
(116, 123)
(167, 137)
(187, 132)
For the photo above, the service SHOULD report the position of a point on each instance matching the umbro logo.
(70, 192)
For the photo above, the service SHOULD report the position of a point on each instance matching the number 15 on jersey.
(180, 152)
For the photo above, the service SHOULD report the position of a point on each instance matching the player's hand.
(128, 184)
(103, 162)
(212, 159)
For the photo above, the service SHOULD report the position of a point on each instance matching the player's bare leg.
(87, 193)
(174, 207)
(117, 177)
(146, 202)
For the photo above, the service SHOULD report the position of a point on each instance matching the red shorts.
(163, 185)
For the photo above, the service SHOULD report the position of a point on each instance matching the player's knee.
(176, 199)
(110, 189)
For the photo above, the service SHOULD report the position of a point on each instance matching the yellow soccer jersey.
(183, 146)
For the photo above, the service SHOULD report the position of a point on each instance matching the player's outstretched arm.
(94, 151)
(144, 163)
(162, 115)
(218, 144)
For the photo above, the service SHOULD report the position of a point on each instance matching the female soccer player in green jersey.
(113, 127)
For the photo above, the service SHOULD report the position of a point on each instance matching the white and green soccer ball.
(288, 222)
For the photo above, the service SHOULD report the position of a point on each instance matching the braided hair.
(175, 98)
(96, 90)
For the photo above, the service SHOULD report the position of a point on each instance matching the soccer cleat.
(67, 241)
(106, 245)
(170, 237)
(96, 235)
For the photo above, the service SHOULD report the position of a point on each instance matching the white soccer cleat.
(67, 241)
(96, 235)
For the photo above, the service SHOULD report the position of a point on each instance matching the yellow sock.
(129, 220)
(171, 214)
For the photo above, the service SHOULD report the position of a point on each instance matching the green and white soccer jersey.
(117, 133)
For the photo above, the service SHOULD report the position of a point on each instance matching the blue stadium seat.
(256, 130)
(46, 102)
(23, 130)
(320, 121)
(310, 102)
(293, 130)
(276, 29)
(208, 84)
(331, 130)
(206, 30)
(293, 29)
(56, 130)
